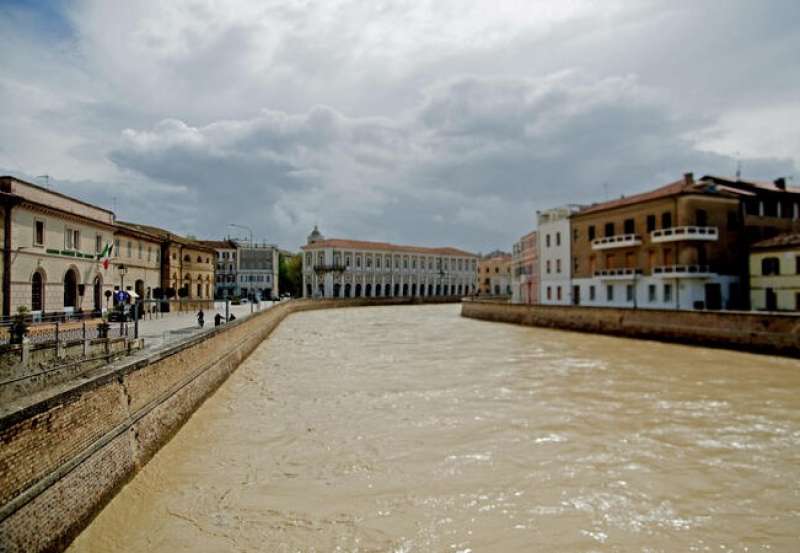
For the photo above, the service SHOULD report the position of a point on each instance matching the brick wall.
(64, 457)
(758, 332)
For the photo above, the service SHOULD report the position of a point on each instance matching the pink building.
(525, 270)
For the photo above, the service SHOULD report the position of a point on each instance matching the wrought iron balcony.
(623, 273)
(616, 241)
(683, 271)
(675, 234)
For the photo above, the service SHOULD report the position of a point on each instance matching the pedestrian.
(231, 318)
(200, 317)
(217, 319)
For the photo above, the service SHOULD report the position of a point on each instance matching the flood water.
(411, 429)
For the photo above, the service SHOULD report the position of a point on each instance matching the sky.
(429, 122)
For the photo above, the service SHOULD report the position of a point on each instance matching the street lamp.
(243, 227)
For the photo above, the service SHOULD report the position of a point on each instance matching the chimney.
(780, 183)
(688, 179)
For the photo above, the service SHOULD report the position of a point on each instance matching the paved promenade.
(173, 327)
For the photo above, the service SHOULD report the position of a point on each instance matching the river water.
(410, 429)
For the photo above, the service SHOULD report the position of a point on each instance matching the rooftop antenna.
(46, 180)
(738, 166)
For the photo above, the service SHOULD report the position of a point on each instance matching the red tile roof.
(382, 246)
(665, 191)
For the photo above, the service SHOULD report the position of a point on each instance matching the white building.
(336, 268)
(555, 259)
(245, 270)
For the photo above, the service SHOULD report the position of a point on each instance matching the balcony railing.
(616, 241)
(676, 234)
(623, 273)
(683, 271)
(329, 268)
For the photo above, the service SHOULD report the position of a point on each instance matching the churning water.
(410, 429)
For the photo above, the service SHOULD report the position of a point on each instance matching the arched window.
(70, 288)
(37, 291)
(186, 258)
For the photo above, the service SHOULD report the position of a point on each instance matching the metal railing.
(54, 329)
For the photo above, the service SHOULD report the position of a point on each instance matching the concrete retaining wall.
(758, 332)
(64, 457)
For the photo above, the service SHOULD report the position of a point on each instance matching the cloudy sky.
(441, 122)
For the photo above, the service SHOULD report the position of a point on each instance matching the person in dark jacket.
(217, 319)
(200, 318)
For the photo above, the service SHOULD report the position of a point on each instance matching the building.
(555, 259)
(775, 273)
(681, 246)
(187, 269)
(525, 270)
(245, 270)
(335, 268)
(136, 261)
(51, 249)
(494, 274)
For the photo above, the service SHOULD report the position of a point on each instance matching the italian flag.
(105, 256)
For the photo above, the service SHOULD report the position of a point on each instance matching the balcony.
(623, 273)
(675, 234)
(683, 271)
(323, 268)
(616, 241)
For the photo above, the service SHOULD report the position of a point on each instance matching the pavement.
(173, 327)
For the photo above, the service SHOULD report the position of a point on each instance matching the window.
(651, 223)
(558, 293)
(369, 262)
(701, 217)
(358, 262)
(130, 249)
(549, 293)
(591, 233)
(666, 220)
(592, 294)
(72, 239)
(609, 292)
(558, 265)
(629, 292)
(558, 239)
(610, 261)
(547, 241)
(651, 293)
(98, 243)
(38, 234)
(575, 235)
(667, 293)
(574, 264)
(629, 226)
(149, 253)
(797, 265)
(548, 266)
(770, 266)
(797, 301)
(609, 229)
(116, 248)
(378, 262)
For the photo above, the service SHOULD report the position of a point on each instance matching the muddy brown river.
(410, 429)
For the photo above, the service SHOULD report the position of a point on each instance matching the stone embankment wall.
(63, 457)
(758, 332)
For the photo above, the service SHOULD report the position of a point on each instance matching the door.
(713, 296)
(576, 295)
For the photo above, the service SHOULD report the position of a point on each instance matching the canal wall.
(63, 455)
(772, 333)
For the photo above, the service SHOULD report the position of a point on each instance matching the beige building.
(51, 249)
(775, 274)
(136, 260)
(494, 275)
(335, 268)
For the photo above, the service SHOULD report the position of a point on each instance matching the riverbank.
(66, 452)
(771, 333)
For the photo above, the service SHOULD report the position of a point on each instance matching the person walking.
(200, 318)
(217, 319)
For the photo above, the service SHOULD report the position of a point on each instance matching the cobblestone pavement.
(173, 327)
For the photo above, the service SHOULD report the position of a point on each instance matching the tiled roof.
(780, 241)
(382, 246)
(665, 191)
(166, 235)
(219, 244)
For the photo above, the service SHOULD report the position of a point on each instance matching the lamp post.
(123, 270)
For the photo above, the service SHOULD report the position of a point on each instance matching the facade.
(555, 259)
(680, 246)
(494, 275)
(775, 274)
(245, 270)
(337, 268)
(137, 254)
(51, 249)
(187, 267)
(525, 270)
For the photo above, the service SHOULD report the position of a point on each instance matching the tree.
(290, 274)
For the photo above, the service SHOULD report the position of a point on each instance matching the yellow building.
(775, 274)
(494, 275)
(137, 254)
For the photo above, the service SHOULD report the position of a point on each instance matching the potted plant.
(103, 326)
(19, 328)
